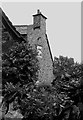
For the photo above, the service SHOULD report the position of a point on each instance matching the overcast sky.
(63, 24)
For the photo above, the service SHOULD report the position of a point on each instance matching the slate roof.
(23, 29)
(5, 20)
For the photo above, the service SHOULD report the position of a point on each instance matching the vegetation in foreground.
(61, 100)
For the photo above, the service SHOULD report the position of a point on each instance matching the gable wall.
(36, 38)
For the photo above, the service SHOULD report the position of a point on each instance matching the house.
(36, 36)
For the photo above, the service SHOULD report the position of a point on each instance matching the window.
(39, 50)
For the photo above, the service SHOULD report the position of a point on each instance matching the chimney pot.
(38, 11)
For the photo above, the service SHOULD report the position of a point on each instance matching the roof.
(23, 29)
(5, 20)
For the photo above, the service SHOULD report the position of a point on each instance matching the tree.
(20, 64)
(68, 81)
(19, 72)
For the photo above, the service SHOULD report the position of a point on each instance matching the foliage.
(68, 82)
(34, 102)
(19, 68)
(20, 64)
(59, 101)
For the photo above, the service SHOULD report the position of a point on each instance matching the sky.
(63, 24)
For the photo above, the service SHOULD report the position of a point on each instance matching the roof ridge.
(23, 25)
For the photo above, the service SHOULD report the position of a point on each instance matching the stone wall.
(36, 38)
